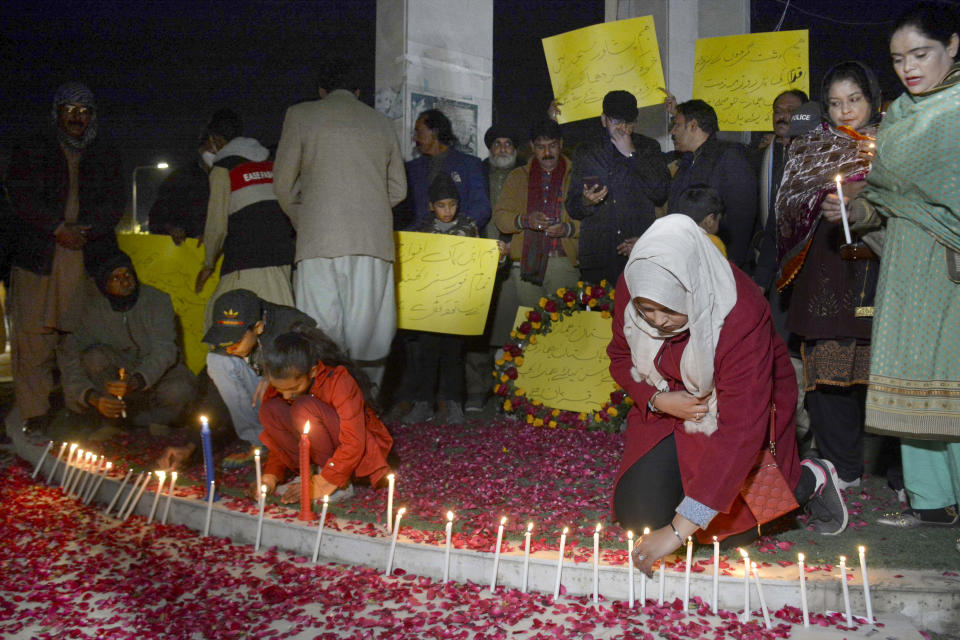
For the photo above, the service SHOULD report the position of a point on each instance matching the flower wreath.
(539, 321)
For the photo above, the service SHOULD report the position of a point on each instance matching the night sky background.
(159, 69)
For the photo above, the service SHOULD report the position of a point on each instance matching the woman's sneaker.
(827, 510)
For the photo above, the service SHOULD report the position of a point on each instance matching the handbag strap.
(772, 438)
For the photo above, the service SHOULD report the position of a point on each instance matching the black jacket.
(37, 182)
(636, 186)
(725, 167)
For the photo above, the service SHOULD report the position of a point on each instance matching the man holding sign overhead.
(616, 184)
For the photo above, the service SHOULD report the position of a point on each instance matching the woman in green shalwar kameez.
(914, 186)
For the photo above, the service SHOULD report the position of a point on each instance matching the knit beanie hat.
(443, 188)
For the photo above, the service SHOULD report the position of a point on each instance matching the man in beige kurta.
(337, 174)
(67, 197)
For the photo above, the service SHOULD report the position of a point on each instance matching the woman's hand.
(681, 404)
(253, 491)
(831, 204)
(657, 544)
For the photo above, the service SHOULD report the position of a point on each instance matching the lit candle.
(630, 569)
(686, 577)
(496, 555)
(262, 503)
(59, 459)
(66, 466)
(306, 513)
(161, 480)
(323, 520)
(393, 542)
(843, 210)
(166, 507)
(133, 490)
(207, 451)
(596, 564)
(123, 376)
(390, 485)
(446, 551)
(526, 558)
(96, 485)
(846, 589)
(95, 471)
(716, 575)
(210, 494)
(136, 499)
(763, 602)
(256, 464)
(556, 586)
(116, 496)
(746, 586)
(74, 467)
(662, 581)
(866, 583)
(803, 591)
(83, 472)
(643, 577)
(43, 457)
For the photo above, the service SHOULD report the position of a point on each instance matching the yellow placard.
(587, 63)
(444, 283)
(739, 76)
(173, 270)
(568, 368)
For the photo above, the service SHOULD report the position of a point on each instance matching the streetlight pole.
(159, 165)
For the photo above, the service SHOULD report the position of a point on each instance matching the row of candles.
(78, 462)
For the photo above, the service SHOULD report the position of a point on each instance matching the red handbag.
(765, 490)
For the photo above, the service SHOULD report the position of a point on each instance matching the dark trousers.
(440, 367)
(650, 490)
(836, 418)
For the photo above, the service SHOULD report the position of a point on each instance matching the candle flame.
(306, 427)
(203, 420)
(861, 549)
(629, 535)
(173, 476)
(743, 553)
(800, 557)
(256, 452)
(402, 511)
(263, 491)
(838, 178)
(110, 464)
(753, 565)
(714, 538)
(326, 498)
(689, 540)
(843, 559)
(529, 527)
(503, 521)
(646, 531)
(161, 474)
(565, 531)
(450, 516)
(599, 526)
(73, 445)
(390, 477)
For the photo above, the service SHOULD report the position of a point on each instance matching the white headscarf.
(676, 265)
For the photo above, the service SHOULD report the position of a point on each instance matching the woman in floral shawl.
(915, 187)
(832, 293)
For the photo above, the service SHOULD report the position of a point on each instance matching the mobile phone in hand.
(591, 182)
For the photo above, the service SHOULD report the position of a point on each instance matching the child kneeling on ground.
(311, 379)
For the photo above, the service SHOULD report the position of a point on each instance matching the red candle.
(306, 513)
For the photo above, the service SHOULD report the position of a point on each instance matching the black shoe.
(36, 427)
(827, 510)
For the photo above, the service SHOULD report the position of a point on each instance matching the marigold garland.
(539, 321)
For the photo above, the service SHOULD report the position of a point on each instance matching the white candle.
(390, 484)
(256, 464)
(526, 559)
(716, 575)
(116, 496)
(90, 477)
(843, 210)
(556, 585)
(133, 490)
(43, 456)
(323, 520)
(74, 469)
(846, 589)
(161, 480)
(393, 542)
(86, 470)
(763, 602)
(496, 555)
(662, 581)
(53, 472)
(136, 499)
(66, 465)
(96, 485)
(596, 564)
(206, 524)
(166, 506)
(446, 550)
(643, 577)
(686, 577)
(746, 586)
(866, 582)
(262, 501)
(803, 591)
(99, 464)
(630, 569)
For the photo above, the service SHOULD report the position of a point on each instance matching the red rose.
(511, 373)
(550, 307)
(514, 350)
(617, 396)
(569, 296)
(598, 292)
(604, 307)
(534, 316)
(502, 390)
(524, 327)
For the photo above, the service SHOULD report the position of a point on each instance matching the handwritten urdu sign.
(173, 270)
(587, 63)
(568, 368)
(739, 76)
(444, 283)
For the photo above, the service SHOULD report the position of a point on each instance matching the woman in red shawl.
(694, 346)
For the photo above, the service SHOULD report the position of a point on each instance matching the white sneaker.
(852, 484)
